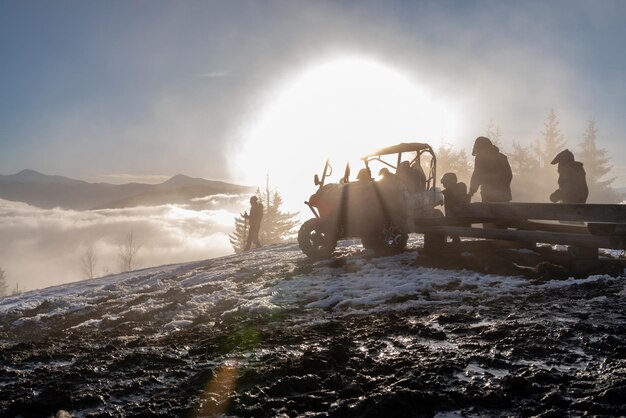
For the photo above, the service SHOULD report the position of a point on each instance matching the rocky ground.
(270, 333)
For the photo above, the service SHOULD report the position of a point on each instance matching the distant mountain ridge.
(32, 176)
(49, 191)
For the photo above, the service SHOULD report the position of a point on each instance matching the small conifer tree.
(238, 237)
(494, 134)
(552, 141)
(451, 160)
(277, 226)
(3, 283)
(596, 165)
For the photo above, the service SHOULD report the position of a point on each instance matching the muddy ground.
(544, 351)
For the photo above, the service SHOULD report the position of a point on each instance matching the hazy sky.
(156, 88)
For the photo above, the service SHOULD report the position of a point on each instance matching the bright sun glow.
(341, 110)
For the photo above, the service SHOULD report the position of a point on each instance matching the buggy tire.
(388, 240)
(314, 241)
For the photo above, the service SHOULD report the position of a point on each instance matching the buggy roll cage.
(417, 147)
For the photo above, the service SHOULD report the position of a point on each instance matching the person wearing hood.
(455, 197)
(572, 181)
(256, 214)
(492, 172)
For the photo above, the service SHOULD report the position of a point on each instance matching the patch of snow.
(88, 323)
(176, 325)
(264, 281)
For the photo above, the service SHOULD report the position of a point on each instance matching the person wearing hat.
(256, 214)
(364, 175)
(413, 178)
(454, 196)
(572, 181)
(454, 193)
(492, 172)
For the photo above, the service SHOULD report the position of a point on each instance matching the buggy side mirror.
(316, 180)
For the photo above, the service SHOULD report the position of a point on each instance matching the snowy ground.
(270, 333)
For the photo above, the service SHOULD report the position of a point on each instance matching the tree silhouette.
(128, 253)
(3, 283)
(16, 290)
(277, 226)
(238, 237)
(88, 262)
(551, 142)
(450, 160)
(494, 134)
(526, 186)
(597, 166)
(522, 159)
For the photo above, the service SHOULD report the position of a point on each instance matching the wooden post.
(582, 260)
(434, 243)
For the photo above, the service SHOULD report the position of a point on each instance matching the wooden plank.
(579, 240)
(517, 224)
(548, 227)
(475, 212)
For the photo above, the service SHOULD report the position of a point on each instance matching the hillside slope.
(270, 333)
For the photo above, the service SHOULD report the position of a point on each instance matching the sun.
(341, 109)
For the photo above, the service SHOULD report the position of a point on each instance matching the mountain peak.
(181, 180)
(32, 176)
(28, 174)
(28, 171)
(180, 177)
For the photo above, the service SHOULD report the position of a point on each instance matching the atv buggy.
(381, 213)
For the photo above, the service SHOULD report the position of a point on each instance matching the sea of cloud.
(45, 247)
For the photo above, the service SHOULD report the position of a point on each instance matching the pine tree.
(522, 160)
(527, 185)
(450, 160)
(552, 141)
(494, 134)
(277, 226)
(238, 237)
(596, 165)
(3, 283)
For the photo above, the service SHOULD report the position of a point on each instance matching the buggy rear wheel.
(390, 239)
(314, 241)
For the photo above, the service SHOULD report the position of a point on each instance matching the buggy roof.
(403, 147)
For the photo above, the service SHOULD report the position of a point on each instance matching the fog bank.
(41, 248)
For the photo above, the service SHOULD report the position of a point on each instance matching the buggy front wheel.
(314, 241)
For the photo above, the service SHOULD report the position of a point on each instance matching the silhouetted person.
(455, 196)
(385, 174)
(364, 175)
(492, 172)
(411, 177)
(256, 214)
(454, 193)
(421, 176)
(388, 179)
(572, 181)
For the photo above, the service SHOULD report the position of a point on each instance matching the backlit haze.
(341, 110)
(123, 91)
